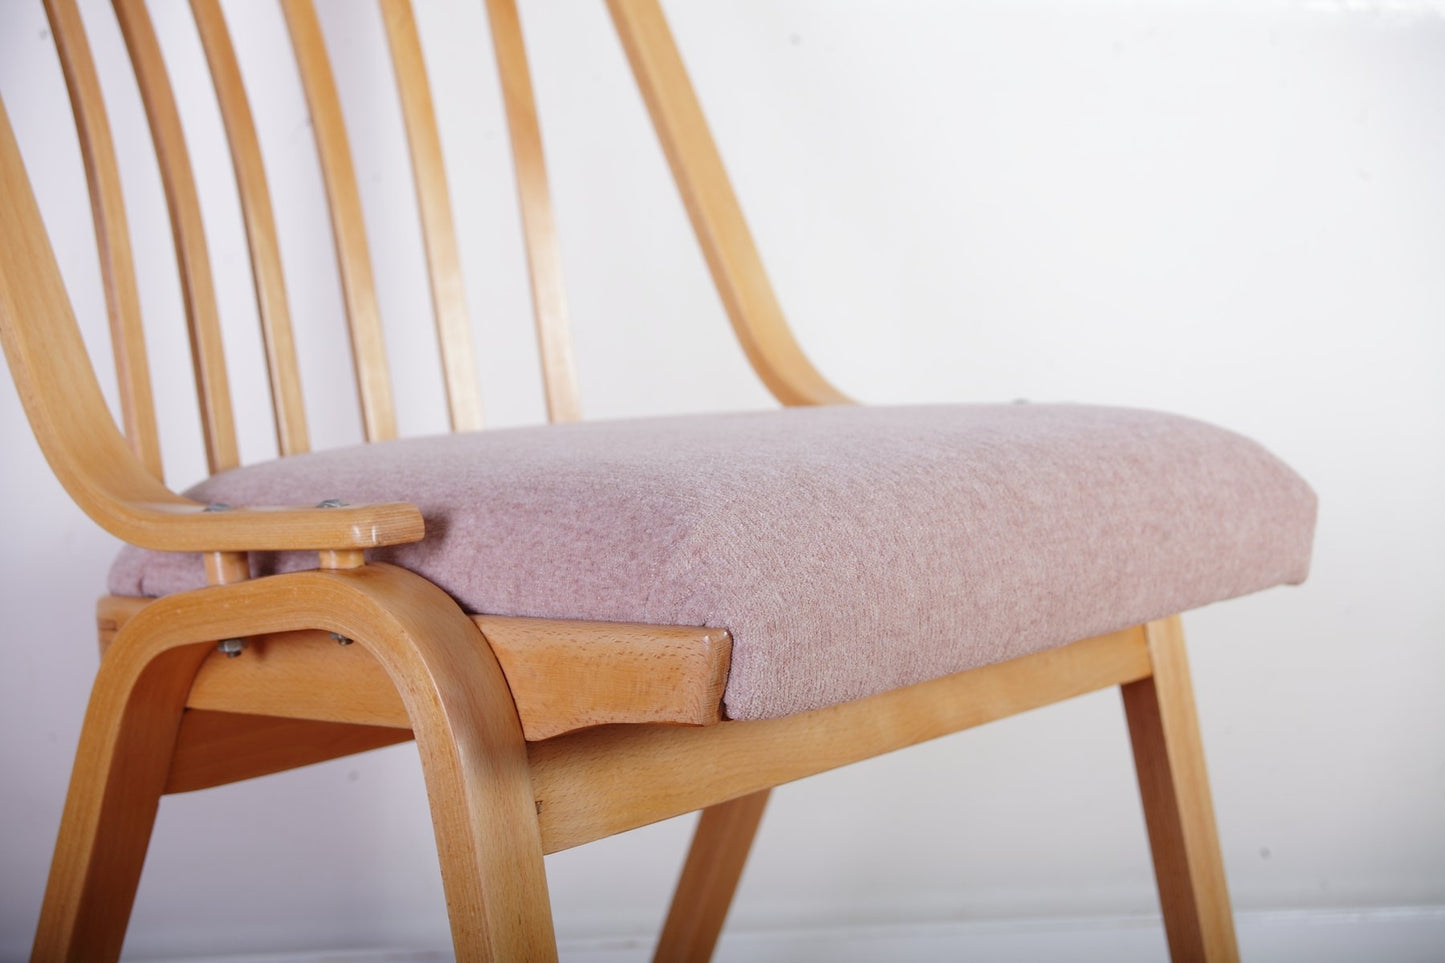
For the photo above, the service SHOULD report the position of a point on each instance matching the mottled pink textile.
(849, 550)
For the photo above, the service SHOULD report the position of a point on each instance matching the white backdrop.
(1232, 211)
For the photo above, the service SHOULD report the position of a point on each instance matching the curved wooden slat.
(289, 408)
(79, 437)
(368, 348)
(112, 235)
(449, 301)
(544, 257)
(717, 218)
(202, 319)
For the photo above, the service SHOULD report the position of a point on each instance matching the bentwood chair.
(589, 627)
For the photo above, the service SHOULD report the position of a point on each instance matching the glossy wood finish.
(1169, 756)
(544, 255)
(448, 294)
(714, 865)
(107, 206)
(348, 229)
(717, 218)
(606, 780)
(467, 732)
(563, 675)
(198, 290)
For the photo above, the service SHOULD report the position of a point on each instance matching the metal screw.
(231, 647)
(340, 639)
(217, 507)
(331, 503)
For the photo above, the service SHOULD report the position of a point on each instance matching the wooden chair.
(536, 734)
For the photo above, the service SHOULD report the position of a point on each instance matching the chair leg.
(1177, 810)
(466, 726)
(115, 789)
(709, 878)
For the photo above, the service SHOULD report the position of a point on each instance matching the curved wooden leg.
(1170, 759)
(120, 772)
(709, 878)
(472, 751)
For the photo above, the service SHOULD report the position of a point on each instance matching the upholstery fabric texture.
(849, 550)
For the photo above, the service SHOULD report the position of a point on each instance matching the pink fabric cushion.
(849, 550)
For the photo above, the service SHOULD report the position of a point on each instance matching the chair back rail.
(106, 479)
(284, 372)
(127, 335)
(449, 297)
(348, 230)
(198, 290)
(544, 257)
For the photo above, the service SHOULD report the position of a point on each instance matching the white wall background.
(1235, 211)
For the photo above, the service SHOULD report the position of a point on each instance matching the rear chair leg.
(115, 789)
(709, 878)
(1170, 760)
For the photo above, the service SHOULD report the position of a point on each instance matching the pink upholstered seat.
(849, 550)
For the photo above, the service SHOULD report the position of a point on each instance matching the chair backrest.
(45, 351)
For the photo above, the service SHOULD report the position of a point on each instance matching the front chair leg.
(120, 772)
(709, 878)
(1169, 757)
(466, 725)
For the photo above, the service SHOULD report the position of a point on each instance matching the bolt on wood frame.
(529, 743)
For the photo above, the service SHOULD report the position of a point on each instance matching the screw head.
(231, 647)
(340, 639)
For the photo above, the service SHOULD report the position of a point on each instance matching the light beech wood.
(107, 207)
(717, 218)
(223, 568)
(1169, 756)
(603, 781)
(348, 229)
(535, 735)
(448, 294)
(572, 675)
(563, 675)
(544, 255)
(85, 450)
(288, 407)
(216, 748)
(346, 558)
(467, 732)
(709, 877)
(197, 288)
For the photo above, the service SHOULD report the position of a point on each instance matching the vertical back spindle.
(368, 349)
(193, 260)
(287, 404)
(112, 235)
(454, 330)
(717, 218)
(544, 256)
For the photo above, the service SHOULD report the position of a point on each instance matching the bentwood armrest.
(192, 527)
